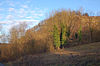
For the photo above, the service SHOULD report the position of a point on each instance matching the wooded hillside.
(61, 29)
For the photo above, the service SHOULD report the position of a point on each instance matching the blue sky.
(13, 12)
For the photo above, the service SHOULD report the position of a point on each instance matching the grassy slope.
(83, 55)
(87, 48)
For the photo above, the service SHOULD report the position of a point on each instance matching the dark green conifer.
(80, 33)
(56, 37)
(63, 35)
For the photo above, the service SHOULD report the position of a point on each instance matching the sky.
(13, 12)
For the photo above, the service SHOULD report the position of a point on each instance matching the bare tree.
(91, 25)
(13, 34)
(17, 31)
(22, 29)
(3, 36)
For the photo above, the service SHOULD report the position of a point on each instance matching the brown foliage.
(39, 39)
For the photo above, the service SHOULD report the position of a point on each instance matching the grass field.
(83, 55)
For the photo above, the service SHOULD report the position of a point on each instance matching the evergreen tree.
(63, 35)
(80, 33)
(56, 37)
(76, 35)
(68, 32)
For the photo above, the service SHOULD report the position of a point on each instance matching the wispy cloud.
(1, 16)
(12, 4)
(31, 17)
(1, 9)
(24, 6)
(9, 17)
(20, 12)
(9, 24)
(11, 9)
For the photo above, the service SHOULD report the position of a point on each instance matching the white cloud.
(9, 24)
(2, 22)
(28, 1)
(24, 14)
(11, 4)
(25, 6)
(11, 9)
(29, 20)
(9, 17)
(38, 14)
(37, 8)
(32, 11)
(18, 21)
(1, 17)
(20, 16)
(5, 22)
(22, 11)
(1, 9)
(29, 17)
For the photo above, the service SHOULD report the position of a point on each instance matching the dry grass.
(83, 55)
(87, 48)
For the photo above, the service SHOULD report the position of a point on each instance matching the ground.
(83, 55)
